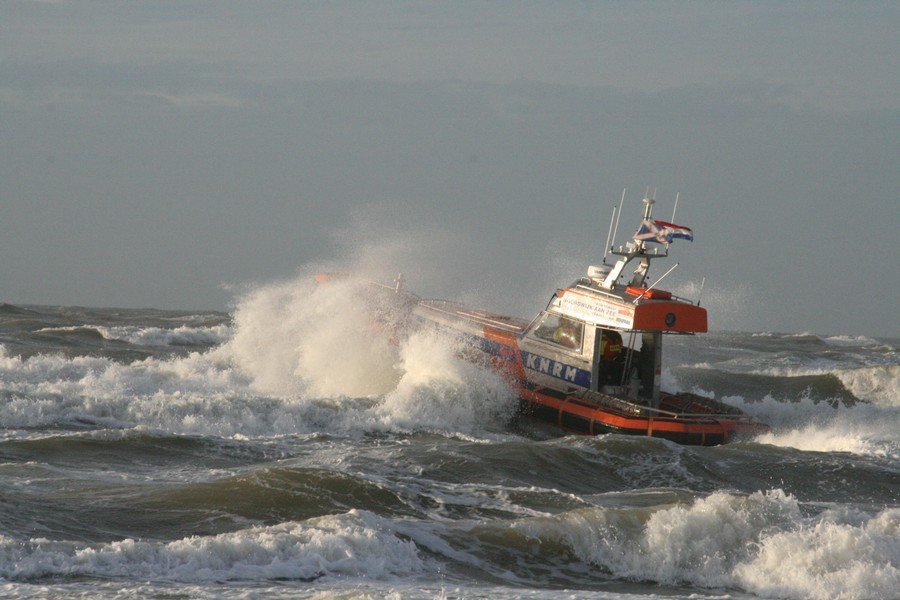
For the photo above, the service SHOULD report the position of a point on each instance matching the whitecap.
(355, 544)
(761, 543)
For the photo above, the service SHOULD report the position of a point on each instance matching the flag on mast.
(662, 232)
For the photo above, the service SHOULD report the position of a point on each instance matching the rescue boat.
(591, 361)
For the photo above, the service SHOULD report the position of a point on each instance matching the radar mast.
(635, 249)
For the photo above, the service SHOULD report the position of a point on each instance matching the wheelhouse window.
(561, 331)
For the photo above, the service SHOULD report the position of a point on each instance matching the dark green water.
(268, 454)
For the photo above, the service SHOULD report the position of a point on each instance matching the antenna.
(609, 234)
(702, 283)
(676, 205)
(619, 214)
(655, 282)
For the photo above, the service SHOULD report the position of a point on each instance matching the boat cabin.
(571, 346)
(605, 336)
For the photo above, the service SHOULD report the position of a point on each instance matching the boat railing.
(716, 416)
(328, 276)
(639, 299)
(390, 288)
(584, 284)
(596, 290)
(637, 409)
(682, 299)
(472, 314)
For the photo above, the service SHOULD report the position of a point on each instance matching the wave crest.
(150, 336)
(760, 543)
(354, 544)
(440, 390)
(301, 359)
(297, 338)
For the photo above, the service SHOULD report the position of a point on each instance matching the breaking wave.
(298, 359)
(879, 385)
(152, 336)
(832, 394)
(851, 341)
(298, 338)
(355, 544)
(820, 422)
(440, 388)
(863, 429)
(324, 341)
(761, 543)
(875, 383)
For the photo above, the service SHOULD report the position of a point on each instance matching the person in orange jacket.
(611, 357)
(611, 345)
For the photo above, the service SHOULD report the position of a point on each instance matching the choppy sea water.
(277, 451)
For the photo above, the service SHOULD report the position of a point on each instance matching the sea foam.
(299, 359)
(299, 338)
(864, 429)
(869, 428)
(879, 384)
(333, 341)
(354, 544)
(760, 543)
(440, 388)
(832, 557)
(154, 336)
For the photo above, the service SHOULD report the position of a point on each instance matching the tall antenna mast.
(676, 206)
(619, 214)
(609, 235)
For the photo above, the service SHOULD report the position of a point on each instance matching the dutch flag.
(662, 232)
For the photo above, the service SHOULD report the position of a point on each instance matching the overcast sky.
(167, 154)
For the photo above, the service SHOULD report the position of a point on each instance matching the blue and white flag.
(662, 232)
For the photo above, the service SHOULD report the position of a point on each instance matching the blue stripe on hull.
(502, 351)
(554, 368)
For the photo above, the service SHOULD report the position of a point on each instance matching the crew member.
(611, 345)
(611, 357)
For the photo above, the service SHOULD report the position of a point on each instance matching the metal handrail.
(469, 315)
(640, 297)
(675, 415)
